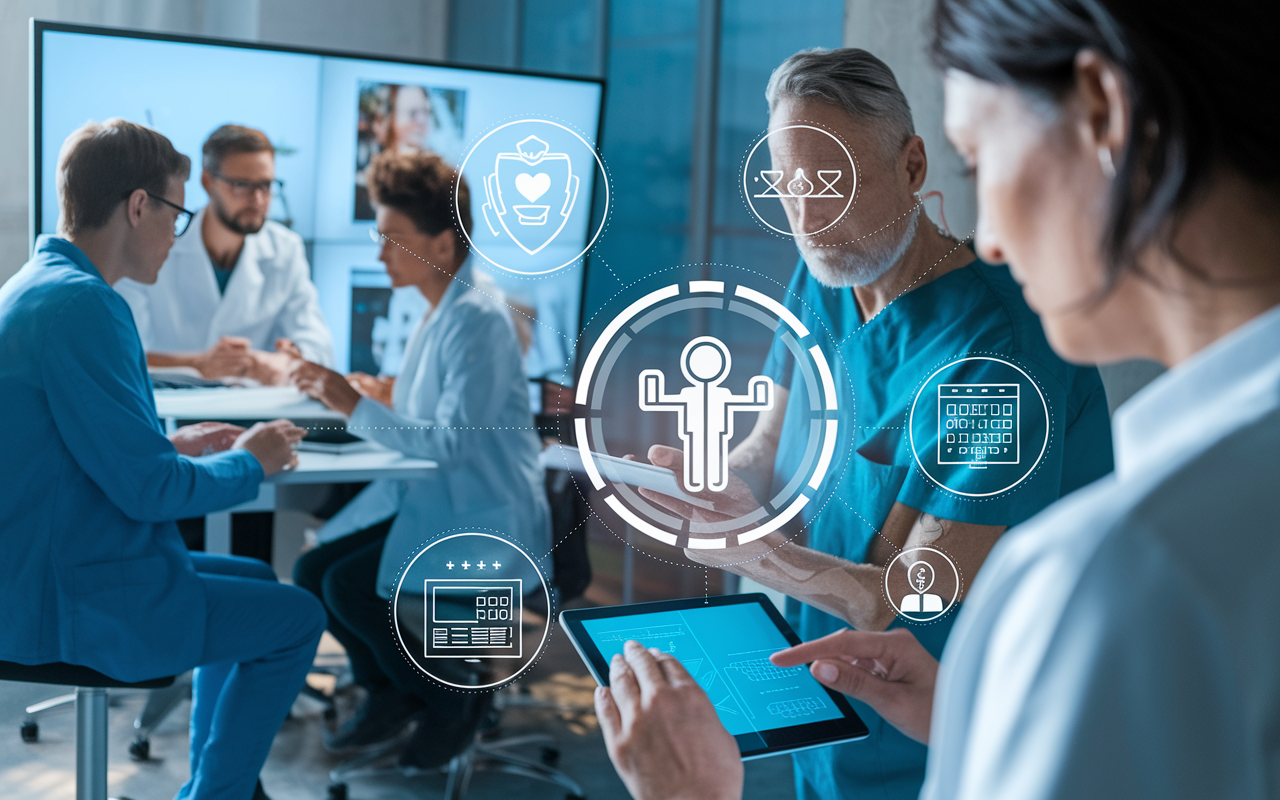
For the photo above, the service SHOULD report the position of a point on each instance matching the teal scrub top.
(881, 364)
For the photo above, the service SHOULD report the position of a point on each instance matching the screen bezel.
(849, 727)
(36, 99)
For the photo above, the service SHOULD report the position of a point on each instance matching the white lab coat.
(460, 400)
(1122, 644)
(269, 296)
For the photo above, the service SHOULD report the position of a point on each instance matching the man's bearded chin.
(858, 263)
(243, 224)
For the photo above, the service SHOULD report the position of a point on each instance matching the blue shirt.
(94, 571)
(880, 367)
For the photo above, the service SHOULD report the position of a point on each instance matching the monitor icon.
(978, 424)
(472, 618)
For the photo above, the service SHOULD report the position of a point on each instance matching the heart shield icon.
(530, 194)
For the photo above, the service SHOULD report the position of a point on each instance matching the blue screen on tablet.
(726, 648)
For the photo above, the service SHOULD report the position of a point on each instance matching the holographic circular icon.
(532, 182)
(649, 372)
(921, 584)
(799, 179)
(472, 610)
(979, 426)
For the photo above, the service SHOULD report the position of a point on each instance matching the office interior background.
(684, 100)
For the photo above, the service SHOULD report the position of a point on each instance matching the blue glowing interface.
(726, 649)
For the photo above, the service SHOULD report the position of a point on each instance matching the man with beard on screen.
(900, 298)
(235, 298)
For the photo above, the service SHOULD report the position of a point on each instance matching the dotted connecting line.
(920, 277)
(570, 533)
(423, 428)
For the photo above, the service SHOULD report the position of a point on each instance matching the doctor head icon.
(705, 360)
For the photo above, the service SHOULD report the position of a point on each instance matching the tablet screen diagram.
(726, 649)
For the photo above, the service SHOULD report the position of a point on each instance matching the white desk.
(264, 402)
(368, 463)
(365, 465)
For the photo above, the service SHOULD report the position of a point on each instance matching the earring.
(1104, 161)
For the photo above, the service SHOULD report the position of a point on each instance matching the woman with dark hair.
(461, 400)
(1121, 643)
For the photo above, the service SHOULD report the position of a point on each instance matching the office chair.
(489, 750)
(90, 700)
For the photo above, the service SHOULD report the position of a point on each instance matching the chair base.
(481, 755)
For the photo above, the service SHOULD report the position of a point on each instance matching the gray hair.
(853, 79)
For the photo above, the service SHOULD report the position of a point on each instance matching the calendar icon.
(978, 424)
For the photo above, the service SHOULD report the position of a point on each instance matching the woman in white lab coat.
(1122, 643)
(460, 400)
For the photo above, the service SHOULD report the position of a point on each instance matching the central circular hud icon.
(532, 181)
(799, 179)
(472, 610)
(650, 379)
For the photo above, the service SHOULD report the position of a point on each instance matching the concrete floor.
(298, 766)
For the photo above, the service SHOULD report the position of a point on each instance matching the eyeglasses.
(183, 220)
(375, 236)
(249, 188)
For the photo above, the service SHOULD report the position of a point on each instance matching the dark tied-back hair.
(1197, 75)
(420, 185)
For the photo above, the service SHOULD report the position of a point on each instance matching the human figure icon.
(920, 577)
(705, 409)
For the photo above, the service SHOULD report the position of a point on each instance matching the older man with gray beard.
(900, 298)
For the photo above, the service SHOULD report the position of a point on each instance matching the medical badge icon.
(546, 184)
(705, 409)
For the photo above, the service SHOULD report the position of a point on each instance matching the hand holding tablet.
(662, 733)
(724, 644)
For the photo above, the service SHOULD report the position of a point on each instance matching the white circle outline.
(746, 190)
(582, 392)
(912, 437)
(395, 611)
(954, 596)
(604, 216)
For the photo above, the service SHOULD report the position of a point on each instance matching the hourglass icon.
(920, 577)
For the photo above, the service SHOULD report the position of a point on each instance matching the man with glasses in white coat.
(236, 300)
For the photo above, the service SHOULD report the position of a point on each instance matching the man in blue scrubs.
(899, 299)
(94, 571)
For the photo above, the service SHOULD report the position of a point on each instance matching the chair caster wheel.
(337, 791)
(30, 732)
(140, 750)
(550, 756)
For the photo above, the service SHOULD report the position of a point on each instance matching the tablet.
(620, 470)
(725, 643)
